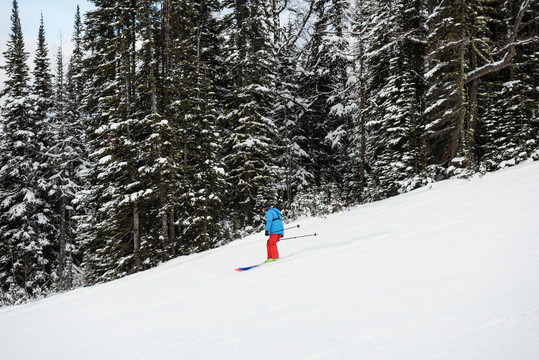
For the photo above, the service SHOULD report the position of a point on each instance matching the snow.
(447, 271)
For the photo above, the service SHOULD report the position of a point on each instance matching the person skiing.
(275, 231)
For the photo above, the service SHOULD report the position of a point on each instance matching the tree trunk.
(136, 236)
(470, 132)
(166, 36)
(362, 102)
(362, 127)
(172, 232)
(62, 240)
(164, 226)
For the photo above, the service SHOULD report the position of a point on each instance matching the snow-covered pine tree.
(166, 48)
(195, 65)
(152, 132)
(74, 73)
(98, 69)
(27, 257)
(113, 240)
(397, 49)
(480, 46)
(287, 105)
(69, 159)
(469, 43)
(251, 138)
(325, 88)
(42, 87)
(508, 125)
(377, 60)
(157, 160)
(447, 97)
(356, 176)
(42, 102)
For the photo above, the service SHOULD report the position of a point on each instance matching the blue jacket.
(274, 221)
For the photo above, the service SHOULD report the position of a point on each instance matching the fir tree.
(324, 86)
(69, 159)
(396, 118)
(152, 133)
(201, 215)
(250, 138)
(26, 233)
(447, 96)
(74, 73)
(42, 89)
(288, 106)
(113, 237)
(463, 51)
(507, 128)
(356, 176)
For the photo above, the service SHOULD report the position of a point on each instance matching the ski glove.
(267, 233)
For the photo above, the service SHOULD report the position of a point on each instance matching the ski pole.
(297, 237)
(293, 227)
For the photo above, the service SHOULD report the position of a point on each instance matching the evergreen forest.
(173, 122)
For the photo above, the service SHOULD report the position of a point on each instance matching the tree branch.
(292, 40)
(509, 55)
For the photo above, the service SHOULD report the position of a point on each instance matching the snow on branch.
(509, 55)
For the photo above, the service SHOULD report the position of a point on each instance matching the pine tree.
(113, 237)
(447, 96)
(464, 52)
(152, 132)
(396, 117)
(507, 128)
(42, 89)
(42, 102)
(250, 138)
(356, 176)
(288, 106)
(325, 87)
(201, 214)
(69, 159)
(26, 233)
(74, 74)
(157, 158)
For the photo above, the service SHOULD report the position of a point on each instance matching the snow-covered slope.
(449, 272)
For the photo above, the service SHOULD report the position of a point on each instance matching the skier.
(275, 231)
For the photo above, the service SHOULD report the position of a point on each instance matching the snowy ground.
(450, 272)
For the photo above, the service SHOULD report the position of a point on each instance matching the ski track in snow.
(444, 272)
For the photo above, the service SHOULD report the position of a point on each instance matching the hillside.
(446, 272)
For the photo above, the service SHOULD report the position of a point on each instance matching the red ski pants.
(273, 253)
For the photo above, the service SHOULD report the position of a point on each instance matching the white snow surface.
(445, 272)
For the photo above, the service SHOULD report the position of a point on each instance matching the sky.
(58, 17)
